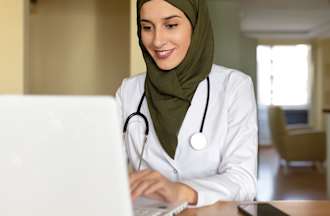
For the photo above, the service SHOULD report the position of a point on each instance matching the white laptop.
(63, 156)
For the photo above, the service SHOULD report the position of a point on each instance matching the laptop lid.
(61, 156)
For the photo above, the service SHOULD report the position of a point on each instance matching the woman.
(202, 143)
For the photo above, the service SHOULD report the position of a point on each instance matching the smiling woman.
(182, 96)
(177, 60)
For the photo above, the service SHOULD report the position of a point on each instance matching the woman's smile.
(164, 54)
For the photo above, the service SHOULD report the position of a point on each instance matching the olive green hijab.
(169, 93)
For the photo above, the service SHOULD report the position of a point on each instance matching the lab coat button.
(175, 171)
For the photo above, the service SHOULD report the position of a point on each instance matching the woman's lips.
(164, 54)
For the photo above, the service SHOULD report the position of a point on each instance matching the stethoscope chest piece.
(198, 141)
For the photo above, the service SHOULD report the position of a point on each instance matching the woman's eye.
(146, 28)
(171, 26)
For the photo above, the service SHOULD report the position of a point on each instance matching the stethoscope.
(198, 140)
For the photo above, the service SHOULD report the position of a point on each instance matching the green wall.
(232, 48)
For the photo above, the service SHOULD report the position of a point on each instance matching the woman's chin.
(166, 66)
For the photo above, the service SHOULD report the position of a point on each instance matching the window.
(284, 75)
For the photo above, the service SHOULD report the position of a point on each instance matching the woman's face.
(165, 32)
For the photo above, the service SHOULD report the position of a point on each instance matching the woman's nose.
(159, 39)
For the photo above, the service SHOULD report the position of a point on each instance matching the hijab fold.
(169, 93)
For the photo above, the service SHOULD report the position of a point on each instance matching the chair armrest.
(298, 127)
(307, 131)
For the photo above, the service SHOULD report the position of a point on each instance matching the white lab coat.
(226, 168)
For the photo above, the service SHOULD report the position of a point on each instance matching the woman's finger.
(156, 186)
(156, 196)
(138, 181)
(139, 189)
(138, 175)
(150, 175)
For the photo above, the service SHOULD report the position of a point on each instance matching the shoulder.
(228, 75)
(132, 85)
(133, 82)
(229, 79)
(130, 90)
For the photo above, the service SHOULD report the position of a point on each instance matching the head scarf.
(169, 93)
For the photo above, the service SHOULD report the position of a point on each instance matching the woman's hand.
(152, 184)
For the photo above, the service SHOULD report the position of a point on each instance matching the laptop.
(63, 155)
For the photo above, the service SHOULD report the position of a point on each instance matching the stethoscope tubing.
(138, 113)
(207, 105)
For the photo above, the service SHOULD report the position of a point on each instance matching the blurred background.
(86, 47)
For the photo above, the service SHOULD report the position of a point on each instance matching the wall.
(248, 58)
(137, 64)
(13, 64)
(283, 41)
(325, 43)
(226, 26)
(232, 48)
(79, 46)
(321, 89)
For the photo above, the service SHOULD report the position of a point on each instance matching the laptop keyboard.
(148, 212)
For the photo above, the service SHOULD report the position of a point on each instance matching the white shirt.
(226, 168)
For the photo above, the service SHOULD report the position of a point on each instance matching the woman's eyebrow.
(145, 20)
(170, 17)
(165, 18)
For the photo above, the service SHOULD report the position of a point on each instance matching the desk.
(299, 208)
